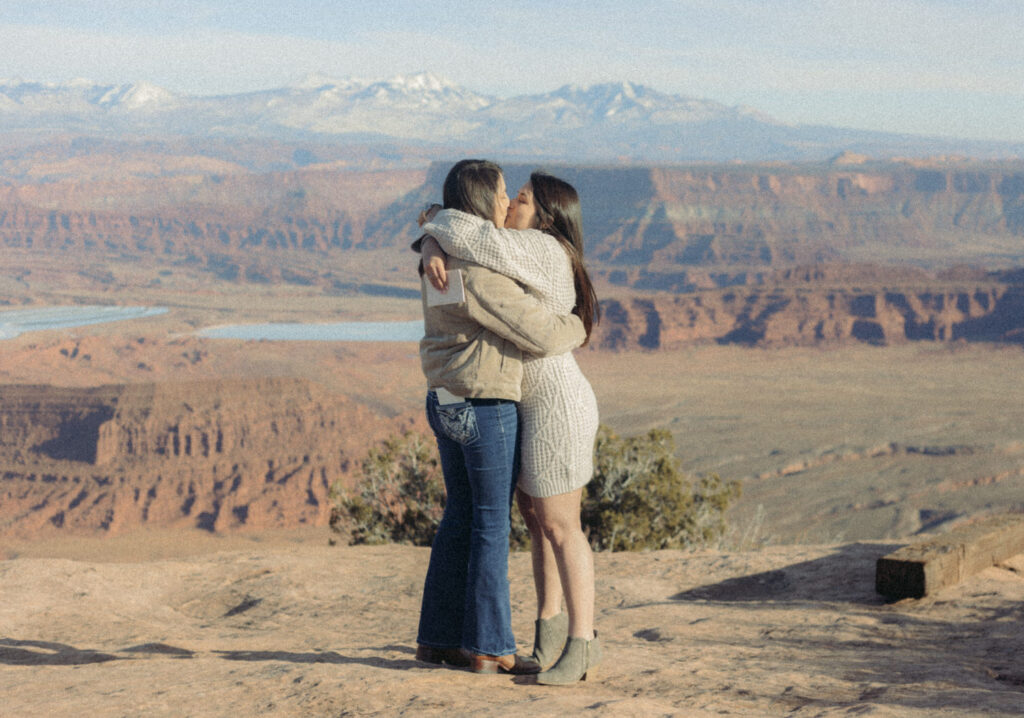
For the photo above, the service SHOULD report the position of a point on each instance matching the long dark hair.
(558, 214)
(470, 187)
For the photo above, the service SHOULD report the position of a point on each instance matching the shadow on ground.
(845, 576)
(14, 652)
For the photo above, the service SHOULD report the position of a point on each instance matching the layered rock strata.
(217, 455)
(794, 315)
(650, 227)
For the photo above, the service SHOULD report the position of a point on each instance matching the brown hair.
(558, 214)
(470, 187)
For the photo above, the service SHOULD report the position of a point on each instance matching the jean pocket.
(458, 422)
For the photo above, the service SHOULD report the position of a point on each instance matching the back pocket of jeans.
(458, 422)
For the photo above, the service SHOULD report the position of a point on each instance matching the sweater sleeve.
(526, 255)
(504, 307)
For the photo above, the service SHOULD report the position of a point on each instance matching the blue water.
(336, 332)
(18, 321)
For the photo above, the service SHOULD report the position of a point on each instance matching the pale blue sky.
(944, 67)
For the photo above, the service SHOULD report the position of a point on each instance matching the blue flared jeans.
(466, 593)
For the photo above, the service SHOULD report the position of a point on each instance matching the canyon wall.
(793, 315)
(238, 226)
(722, 223)
(217, 455)
(771, 217)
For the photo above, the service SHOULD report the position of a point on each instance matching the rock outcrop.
(218, 455)
(818, 313)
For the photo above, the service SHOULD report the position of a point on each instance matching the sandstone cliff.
(653, 227)
(790, 314)
(237, 226)
(757, 217)
(218, 455)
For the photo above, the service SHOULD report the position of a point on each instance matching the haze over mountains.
(613, 122)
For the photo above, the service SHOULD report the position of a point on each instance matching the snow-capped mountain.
(80, 97)
(613, 121)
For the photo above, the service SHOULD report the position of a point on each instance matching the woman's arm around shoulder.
(526, 255)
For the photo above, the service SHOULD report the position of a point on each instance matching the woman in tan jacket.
(471, 355)
(541, 247)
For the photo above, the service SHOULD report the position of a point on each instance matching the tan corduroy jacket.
(475, 348)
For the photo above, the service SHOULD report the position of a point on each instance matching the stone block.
(941, 561)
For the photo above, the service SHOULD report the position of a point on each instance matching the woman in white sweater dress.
(541, 247)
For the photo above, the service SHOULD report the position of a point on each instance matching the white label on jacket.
(456, 293)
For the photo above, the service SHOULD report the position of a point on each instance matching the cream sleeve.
(526, 255)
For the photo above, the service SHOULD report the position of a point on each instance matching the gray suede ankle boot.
(549, 638)
(578, 660)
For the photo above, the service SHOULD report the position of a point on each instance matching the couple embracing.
(513, 416)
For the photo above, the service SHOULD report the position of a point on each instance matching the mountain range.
(613, 122)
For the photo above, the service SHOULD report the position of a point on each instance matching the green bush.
(638, 499)
(400, 497)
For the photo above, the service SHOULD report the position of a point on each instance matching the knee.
(560, 529)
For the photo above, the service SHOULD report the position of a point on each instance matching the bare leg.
(546, 580)
(559, 518)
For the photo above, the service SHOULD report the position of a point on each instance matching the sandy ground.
(282, 624)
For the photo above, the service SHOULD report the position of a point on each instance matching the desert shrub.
(519, 536)
(640, 498)
(400, 496)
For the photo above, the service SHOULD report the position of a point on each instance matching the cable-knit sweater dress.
(558, 411)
